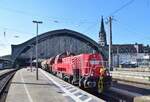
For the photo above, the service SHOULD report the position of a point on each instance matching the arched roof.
(18, 49)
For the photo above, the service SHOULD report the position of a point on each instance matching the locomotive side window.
(94, 62)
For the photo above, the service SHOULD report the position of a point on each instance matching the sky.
(130, 19)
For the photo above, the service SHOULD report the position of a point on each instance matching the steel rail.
(4, 80)
(118, 95)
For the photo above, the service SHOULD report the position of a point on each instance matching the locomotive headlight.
(107, 74)
(92, 74)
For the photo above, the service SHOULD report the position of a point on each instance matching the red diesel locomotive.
(84, 70)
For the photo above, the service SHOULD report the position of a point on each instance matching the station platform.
(25, 88)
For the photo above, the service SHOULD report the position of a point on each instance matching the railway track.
(115, 94)
(126, 93)
(118, 93)
(132, 81)
(123, 93)
(5, 79)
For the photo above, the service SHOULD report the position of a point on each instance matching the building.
(124, 55)
(4, 63)
(53, 43)
(102, 34)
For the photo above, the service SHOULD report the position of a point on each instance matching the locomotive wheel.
(65, 78)
(70, 79)
(100, 85)
(81, 84)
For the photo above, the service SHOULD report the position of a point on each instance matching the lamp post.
(37, 22)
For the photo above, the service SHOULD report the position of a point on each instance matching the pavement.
(25, 88)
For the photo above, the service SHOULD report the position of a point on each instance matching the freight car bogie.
(81, 82)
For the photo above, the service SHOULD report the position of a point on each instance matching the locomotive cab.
(94, 75)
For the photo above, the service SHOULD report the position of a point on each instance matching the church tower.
(102, 34)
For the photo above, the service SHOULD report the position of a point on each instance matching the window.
(94, 62)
